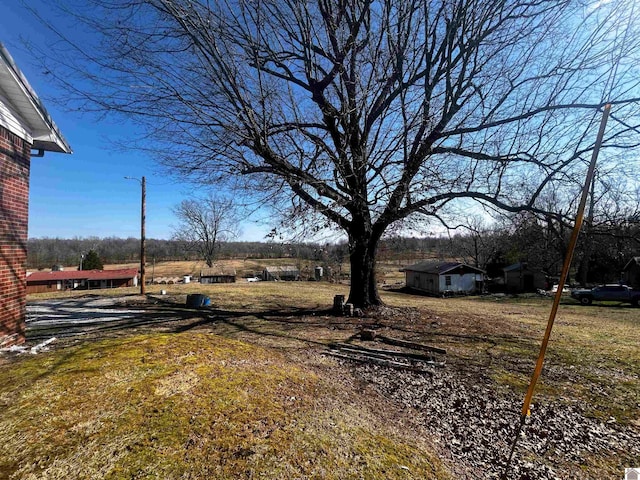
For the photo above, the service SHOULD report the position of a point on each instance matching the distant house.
(218, 275)
(440, 278)
(519, 278)
(284, 273)
(631, 273)
(40, 282)
(25, 126)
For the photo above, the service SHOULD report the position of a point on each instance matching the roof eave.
(45, 133)
(437, 271)
(51, 143)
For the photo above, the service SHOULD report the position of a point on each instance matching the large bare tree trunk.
(362, 254)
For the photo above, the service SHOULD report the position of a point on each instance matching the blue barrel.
(196, 300)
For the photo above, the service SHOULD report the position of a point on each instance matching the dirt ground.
(470, 418)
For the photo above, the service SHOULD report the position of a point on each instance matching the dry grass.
(191, 406)
(593, 354)
(387, 271)
(247, 267)
(593, 357)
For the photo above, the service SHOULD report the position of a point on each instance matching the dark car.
(614, 293)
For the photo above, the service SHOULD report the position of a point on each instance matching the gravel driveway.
(71, 318)
(67, 312)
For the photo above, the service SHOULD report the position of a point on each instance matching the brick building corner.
(25, 125)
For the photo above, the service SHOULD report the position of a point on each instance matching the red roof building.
(40, 282)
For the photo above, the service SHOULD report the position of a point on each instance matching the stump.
(338, 304)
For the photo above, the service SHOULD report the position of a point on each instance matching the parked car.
(615, 293)
(554, 289)
(254, 279)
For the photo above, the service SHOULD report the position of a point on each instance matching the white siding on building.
(459, 283)
(12, 121)
(439, 283)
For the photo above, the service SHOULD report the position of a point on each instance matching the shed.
(519, 278)
(40, 282)
(283, 272)
(631, 273)
(25, 125)
(441, 278)
(218, 274)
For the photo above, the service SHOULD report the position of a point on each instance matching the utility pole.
(143, 184)
(142, 235)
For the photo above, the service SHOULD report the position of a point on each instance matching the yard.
(243, 389)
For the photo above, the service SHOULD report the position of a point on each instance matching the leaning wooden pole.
(563, 278)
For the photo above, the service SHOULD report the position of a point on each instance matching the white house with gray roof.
(442, 278)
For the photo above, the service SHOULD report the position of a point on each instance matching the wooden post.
(142, 236)
(338, 304)
(526, 405)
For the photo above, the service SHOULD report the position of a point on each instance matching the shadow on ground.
(91, 318)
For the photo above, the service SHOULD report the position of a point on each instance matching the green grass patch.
(190, 406)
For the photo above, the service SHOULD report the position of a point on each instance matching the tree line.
(540, 241)
(603, 249)
(44, 253)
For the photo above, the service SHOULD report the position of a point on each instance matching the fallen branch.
(377, 361)
(416, 346)
(386, 353)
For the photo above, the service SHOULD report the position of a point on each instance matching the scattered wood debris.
(416, 346)
(416, 362)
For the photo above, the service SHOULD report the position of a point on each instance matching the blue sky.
(86, 194)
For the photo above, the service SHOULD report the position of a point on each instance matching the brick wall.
(14, 213)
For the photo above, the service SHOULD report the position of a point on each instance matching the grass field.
(244, 267)
(249, 267)
(240, 370)
(595, 345)
(191, 406)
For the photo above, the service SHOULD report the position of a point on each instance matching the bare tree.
(611, 227)
(364, 113)
(477, 244)
(204, 224)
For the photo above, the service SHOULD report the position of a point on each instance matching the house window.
(447, 280)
